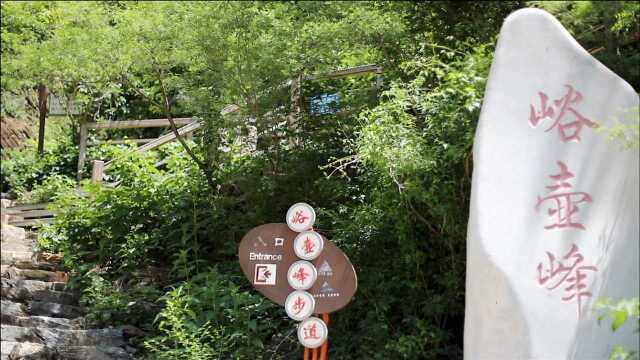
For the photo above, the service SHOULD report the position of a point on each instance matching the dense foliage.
(387, 167)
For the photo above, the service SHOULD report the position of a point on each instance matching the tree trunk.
(43, 96)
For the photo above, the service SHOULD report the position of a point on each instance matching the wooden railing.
(126, 124)
(25, 215)
(189, 125)
(100, 167)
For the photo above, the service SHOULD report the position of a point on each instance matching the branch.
(341, 164)
(174, 129)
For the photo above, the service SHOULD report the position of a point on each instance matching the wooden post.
(43, 97)
(82, 149)
(98, 171)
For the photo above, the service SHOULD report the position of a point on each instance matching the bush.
(24, 169)
(110, 304)
(210, 317)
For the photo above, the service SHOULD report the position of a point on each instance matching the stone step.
(56, 338)
(43, 321)
(41, 308)
(22, 290)
(33, 264)
(10, 257)
(33, 351)
(93, 353)
(23, 350)
(12, 272)
(12, 234)
(35, 285)
(16, 246)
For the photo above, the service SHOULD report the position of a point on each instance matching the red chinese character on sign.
(564, 204)
(572, 274)
(298, 305)
(310, 332)
(559, 111)
(300, 275)
(308, 246)
(299, 218)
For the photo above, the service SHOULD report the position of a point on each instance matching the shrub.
(22, 170)
(211, 317)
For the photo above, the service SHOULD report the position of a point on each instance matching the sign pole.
(306, 353)
(325, 347)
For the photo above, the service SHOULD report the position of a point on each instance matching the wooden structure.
(189, 125)
(32, 215)
(126, 124)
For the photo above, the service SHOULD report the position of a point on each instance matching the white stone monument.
(554, 206)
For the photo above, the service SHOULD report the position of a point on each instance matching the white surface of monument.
(554, 212)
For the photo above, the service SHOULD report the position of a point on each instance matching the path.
(41, 318)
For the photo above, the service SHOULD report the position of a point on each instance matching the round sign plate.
(308, 245)
(299, 305)
(302, 275)
(300, 217)
(266, 253)
(312, 332)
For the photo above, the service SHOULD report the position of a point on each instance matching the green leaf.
(619, 317)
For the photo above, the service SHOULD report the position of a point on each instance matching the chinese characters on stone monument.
(564, 203)
(561, 200)
(562, 114)
(568, 271)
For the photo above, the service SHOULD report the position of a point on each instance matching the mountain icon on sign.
(326, 288)
(325, 269)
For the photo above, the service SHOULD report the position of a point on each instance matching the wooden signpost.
(300, 270)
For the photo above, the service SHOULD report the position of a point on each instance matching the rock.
(39, 319)
(36, 290)
(13, 308)
(129, 331)
(33, 274)
(92, 352)
(42, 321)
(61, 337)
(37, 265)
(23, 350)
(53, 309)
(50, 257)
(9, 257)
(34, 285)
(12, 234)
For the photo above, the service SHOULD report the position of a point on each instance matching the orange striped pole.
(306, 354)
(325, 347)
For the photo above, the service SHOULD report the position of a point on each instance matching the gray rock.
(37, 265)
(12, 234)
(53, 309)
(18, 290)
(13, 308)
(92, 352)
(9, 257)
(23, 350)
(56, 338)
(34, 285)
(16, 246)
(13, 272)
(42, 321)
